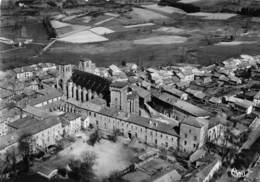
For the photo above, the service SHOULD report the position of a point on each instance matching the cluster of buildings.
(179, 108)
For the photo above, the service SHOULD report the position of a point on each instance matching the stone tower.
(65, 73)
(118, 95)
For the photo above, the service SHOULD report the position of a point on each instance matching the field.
(170, 30)
(235, 43)
(145, 15)
(164, 9)
(213, 16)
(161, 40)
(147, 35)
(83, 37)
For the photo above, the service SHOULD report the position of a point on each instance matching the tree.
(94, 137)
(82, 170)
(24, 146)
(10, 166)
(3, 170)
(114, 135)
(115, 177)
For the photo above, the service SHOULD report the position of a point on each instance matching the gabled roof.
(153, 124)
(191, 109)
(92, 81)
(22, 123)
(195, 121)
(118, 84)
(13, 137)
(141, 91)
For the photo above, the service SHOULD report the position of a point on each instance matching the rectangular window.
(185, 142)
(195, 138)
(185, 135)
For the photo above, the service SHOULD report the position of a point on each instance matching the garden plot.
(234, 43)
(145, 15)
(170, 30)
(189, 1)
(58, 24)
(86, 19)
(101, 30)
(139, 25)
(213, 16)
(164, 9)
(157, 40)
(83, 37)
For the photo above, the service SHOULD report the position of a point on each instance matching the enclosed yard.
(110, 156)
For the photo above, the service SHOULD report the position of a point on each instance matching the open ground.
(147, 35)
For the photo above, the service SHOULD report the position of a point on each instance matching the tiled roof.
(153, 124)
(119, 84)
(93, 82)
(13, 138)
(196, 122)
(141, 91)
(192, 109)
(45, 95)
(22, 123)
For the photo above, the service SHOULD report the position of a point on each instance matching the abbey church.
(83, 84)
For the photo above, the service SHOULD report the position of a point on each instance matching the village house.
(45, 96)
(44, 67)
(206, 174)
(174, 107)
(257, 99)
(193, 134)
(176, 92)
(41, 133)
(88, 66)
(23, 73)
(8, 115)
(71, 123)
(241, 105)
(216, 130)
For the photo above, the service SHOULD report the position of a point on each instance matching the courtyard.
(110, 156)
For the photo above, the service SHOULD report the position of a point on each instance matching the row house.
(41, 133)
(45, 96)
(147, 130)
(175, 107)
